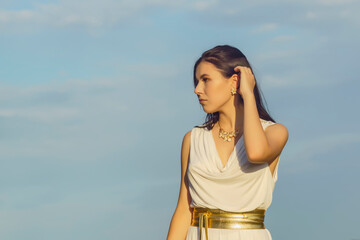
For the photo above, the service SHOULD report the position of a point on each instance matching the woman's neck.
(232, 118)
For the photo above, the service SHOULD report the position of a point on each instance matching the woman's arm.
(261, 146)
(181, 219)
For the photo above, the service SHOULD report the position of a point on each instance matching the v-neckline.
(217, 153)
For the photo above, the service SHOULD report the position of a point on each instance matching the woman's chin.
(208, 110)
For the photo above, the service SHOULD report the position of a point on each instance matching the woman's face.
(213, 87)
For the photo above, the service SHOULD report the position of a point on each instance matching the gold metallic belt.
(216, 218)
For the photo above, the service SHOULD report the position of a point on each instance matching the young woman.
(229, 164)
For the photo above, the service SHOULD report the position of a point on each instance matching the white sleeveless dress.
(240, 186)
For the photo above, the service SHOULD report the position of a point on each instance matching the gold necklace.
(226, 136)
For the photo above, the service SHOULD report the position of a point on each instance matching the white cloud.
(279, 54)
(310, 147)
(268, 27)
(84, 119)
(16, 16)
(283, 38)
(276, 81)
(81, 209)
(204, 5)
(336, 2)
(45, 114)
(302, 156)
(93, 14)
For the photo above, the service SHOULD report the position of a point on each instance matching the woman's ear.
(236, 79)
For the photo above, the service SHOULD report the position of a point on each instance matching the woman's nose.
(197, 90)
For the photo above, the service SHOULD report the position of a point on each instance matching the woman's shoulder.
(196, 129)
(187, 136)
(265, 123)
(271, 123)
(276, 128)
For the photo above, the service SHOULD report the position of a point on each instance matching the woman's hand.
(247, 80)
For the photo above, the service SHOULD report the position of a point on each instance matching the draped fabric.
(239, 186)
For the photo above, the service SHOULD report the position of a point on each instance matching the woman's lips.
(202, 101)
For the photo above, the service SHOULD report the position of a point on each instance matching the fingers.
(240, 68)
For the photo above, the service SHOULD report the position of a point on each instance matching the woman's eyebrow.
(203, 75)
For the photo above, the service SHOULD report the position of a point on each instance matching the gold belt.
(216, 218)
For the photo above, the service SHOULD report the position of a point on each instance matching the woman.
(228, 164)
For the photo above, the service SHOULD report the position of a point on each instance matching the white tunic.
(240, 186)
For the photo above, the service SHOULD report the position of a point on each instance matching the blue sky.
(96, 96)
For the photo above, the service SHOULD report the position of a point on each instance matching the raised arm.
(181, 219)
(261, 146)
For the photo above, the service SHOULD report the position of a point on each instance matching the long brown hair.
(226, 58)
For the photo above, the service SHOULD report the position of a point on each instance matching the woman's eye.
(205, 79)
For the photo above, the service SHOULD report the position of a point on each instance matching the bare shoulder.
(185, 151)
(186, 140)
(279, 127)
(187, 136)
(278, 130)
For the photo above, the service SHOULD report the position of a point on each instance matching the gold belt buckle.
(204, 217)
(215, 218)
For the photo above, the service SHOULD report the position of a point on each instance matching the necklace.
(226, 136)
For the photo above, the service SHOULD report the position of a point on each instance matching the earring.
(233, 91)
